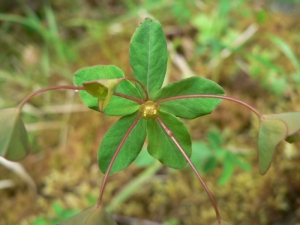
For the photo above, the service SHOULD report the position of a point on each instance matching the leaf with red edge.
(91, 216)
(14, 142)
(273, 129)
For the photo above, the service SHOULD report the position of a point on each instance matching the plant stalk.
(169, 132)
(129, 97)
(69, 87)
(140, 83)
(20, 106)
(104, 182)
(211, 96)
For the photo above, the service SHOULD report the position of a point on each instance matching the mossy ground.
(66, 172)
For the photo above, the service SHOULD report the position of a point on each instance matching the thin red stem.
(169, 132)
(48, 89)
(140, 83)
(104, 182)
(70, 87)
(129, 97)
(211, 96)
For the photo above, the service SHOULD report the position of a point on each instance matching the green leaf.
(161, 146)
(235, 159)
(271, 132)
(91, 216)
(102, 89)
(210, 164)
(228, 168)
(14, 142)
(190, 108)
(131, 147)
(117, 106)
(62, 212)
(224, 8)
(200, 154)
(215, 139)
(148, 55)
(40, 221)
(273, 129)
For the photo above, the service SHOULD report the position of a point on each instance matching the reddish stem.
(70, 87)
(169, 132)
(211, 96)
(140, 83)
(48, 89)
(129, 97)
(104, 182)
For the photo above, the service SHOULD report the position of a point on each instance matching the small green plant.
(147, 110)
(273, 77)
(207, 156)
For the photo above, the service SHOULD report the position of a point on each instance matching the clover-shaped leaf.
(147, 109)
(91, 216)
(14, 143)
(273, 129)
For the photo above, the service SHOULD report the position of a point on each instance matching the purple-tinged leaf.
(91, 216)
(273, 129)
(14, 143)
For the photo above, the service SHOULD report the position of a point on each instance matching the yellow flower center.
(149, 110)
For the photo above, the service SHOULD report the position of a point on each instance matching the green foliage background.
(249, 47)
